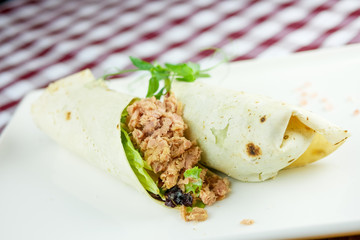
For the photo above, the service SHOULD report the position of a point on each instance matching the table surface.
(44, 40)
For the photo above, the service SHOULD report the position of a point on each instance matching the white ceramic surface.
(48, 193)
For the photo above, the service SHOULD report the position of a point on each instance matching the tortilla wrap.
(252, 137)
(83, 115)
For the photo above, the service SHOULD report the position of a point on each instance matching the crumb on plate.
(247, 221)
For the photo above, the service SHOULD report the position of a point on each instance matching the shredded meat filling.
(214, 189)
(157, 129)
(196, 214)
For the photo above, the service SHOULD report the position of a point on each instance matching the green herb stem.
(186, 72)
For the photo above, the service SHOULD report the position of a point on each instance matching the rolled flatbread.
(140, 141)
(251, 138)
(248, 137)
(68, 112)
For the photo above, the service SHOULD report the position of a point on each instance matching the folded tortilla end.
(319, 148)
(251, 137)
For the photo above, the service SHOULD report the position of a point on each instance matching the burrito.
(251, 138)
(140, 141)
(166, 148)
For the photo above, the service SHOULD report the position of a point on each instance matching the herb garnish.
(186, 72)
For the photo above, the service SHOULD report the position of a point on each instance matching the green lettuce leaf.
(195, 185)
(137, 163)
(199, 204)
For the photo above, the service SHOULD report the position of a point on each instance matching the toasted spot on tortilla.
(290, 161)
(253, 150)
(286, 137)
(341, 140)
(117, 126)
(68, 116)
(263, 119)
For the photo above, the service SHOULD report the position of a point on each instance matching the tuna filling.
(157, 129)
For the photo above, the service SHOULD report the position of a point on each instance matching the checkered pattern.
(44, 40)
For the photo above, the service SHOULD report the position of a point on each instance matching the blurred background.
(44, 40)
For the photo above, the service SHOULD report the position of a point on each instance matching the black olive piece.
(169, 203)
(172, 190)
(155, 196)
(176, 196)
(187, 200)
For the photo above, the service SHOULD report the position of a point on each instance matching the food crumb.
(328, 107)
(314, 95)
(196, 214)
(247, 222)
(349, 99)
(68, 115)
(305, 85)
(307, 95)
(303, 102)
(356, 112)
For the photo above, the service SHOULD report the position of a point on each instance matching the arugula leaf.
(160, 73)
(140, 64)
(196, 183)
(186, 72)
(194, 66)
(203, 75)
(153, 87)
(106, 76)
(167, 85)
(160, 93)
(183, 71)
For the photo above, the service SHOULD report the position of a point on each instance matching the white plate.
(48, 193)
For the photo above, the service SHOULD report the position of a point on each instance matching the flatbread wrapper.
(83, 115)
(251, 138)
(246, 136)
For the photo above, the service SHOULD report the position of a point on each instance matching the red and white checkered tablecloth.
(44, 40)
